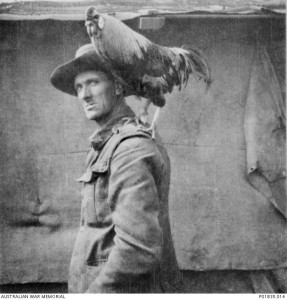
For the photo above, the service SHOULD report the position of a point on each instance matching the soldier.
(124, 242)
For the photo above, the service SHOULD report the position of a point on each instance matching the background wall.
(218, 220)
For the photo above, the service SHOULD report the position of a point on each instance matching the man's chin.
(98, 118)
(93, 116)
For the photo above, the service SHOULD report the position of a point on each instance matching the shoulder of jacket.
(132, 129)
(126, 132)
(133, 135)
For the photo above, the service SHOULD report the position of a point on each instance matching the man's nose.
(86, 93)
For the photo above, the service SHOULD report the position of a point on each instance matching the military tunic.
(124, 220)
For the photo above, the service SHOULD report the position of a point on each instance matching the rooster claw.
(152, 130)
(143, 119)
(135, 119)
(138, 121)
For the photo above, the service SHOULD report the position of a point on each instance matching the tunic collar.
(100, 136)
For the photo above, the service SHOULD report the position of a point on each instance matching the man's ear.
(118, 88)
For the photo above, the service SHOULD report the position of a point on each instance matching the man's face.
(96, 93)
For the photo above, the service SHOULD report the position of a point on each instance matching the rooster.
(144, 68)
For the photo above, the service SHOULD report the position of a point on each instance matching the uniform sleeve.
(133, 198)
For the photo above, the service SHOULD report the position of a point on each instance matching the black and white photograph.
(143, 148)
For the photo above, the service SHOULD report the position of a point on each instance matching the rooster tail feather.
(198, 65)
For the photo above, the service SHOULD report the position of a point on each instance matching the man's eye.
(94, 82)
(78, 88)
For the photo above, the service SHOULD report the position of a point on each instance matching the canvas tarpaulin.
(265, 132)
(229, 224)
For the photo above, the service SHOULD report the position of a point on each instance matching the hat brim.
(63, 77)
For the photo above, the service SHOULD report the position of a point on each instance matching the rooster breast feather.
(121, 44)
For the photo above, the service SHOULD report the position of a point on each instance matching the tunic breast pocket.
(95, 207)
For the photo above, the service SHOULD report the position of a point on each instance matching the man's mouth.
(91, 106)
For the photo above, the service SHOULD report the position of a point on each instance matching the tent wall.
(218, 220)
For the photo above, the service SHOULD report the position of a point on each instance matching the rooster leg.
(142, 115)
(152, 127)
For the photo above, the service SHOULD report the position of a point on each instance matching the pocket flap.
(87, 177)
(100, 167)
